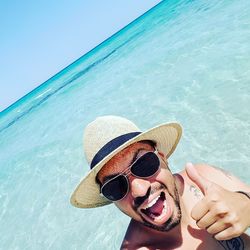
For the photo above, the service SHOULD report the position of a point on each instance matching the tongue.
(157, 208)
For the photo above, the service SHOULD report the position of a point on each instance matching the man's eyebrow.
(135, 155)
(108, 177)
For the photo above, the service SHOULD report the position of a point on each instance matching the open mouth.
(156, 210)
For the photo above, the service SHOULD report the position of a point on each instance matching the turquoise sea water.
(187, 61)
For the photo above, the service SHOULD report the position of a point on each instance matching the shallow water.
(186, 61)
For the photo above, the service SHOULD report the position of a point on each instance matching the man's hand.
(223, 213)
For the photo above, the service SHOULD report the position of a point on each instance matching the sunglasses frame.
(128, 169)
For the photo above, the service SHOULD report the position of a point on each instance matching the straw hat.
(105, 137)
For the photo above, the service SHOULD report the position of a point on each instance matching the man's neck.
(185, 216)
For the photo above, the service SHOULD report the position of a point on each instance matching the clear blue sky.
(40, 38)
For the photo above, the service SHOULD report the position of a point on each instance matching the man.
(199, 208)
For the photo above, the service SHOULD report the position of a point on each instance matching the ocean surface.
(186, 61)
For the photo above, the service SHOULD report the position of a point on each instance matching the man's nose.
(139, 187)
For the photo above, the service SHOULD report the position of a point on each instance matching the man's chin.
(170, 224)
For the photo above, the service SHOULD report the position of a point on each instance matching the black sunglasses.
(117, 188)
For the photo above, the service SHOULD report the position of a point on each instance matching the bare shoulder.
(140, 237)
(221, 177)
(134, 237)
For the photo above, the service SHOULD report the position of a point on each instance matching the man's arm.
(223, 212)
(222, 177)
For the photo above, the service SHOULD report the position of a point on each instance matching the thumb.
(199, 180)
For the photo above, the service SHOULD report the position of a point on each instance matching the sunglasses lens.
(115, 189)
(146, 166)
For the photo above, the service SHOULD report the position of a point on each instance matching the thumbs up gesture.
(223, 213)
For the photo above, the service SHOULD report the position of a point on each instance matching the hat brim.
(87, 193)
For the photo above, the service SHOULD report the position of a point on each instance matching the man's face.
(154, 201)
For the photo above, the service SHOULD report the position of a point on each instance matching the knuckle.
(219, 237)
(200, 224)
(219, 209)
(195, 213)
(211, 230)
(214, 197)
(237, 230)
(233, 219)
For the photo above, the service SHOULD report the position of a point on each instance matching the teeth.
(152, 202)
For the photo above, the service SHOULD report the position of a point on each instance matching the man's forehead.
(133, 148)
